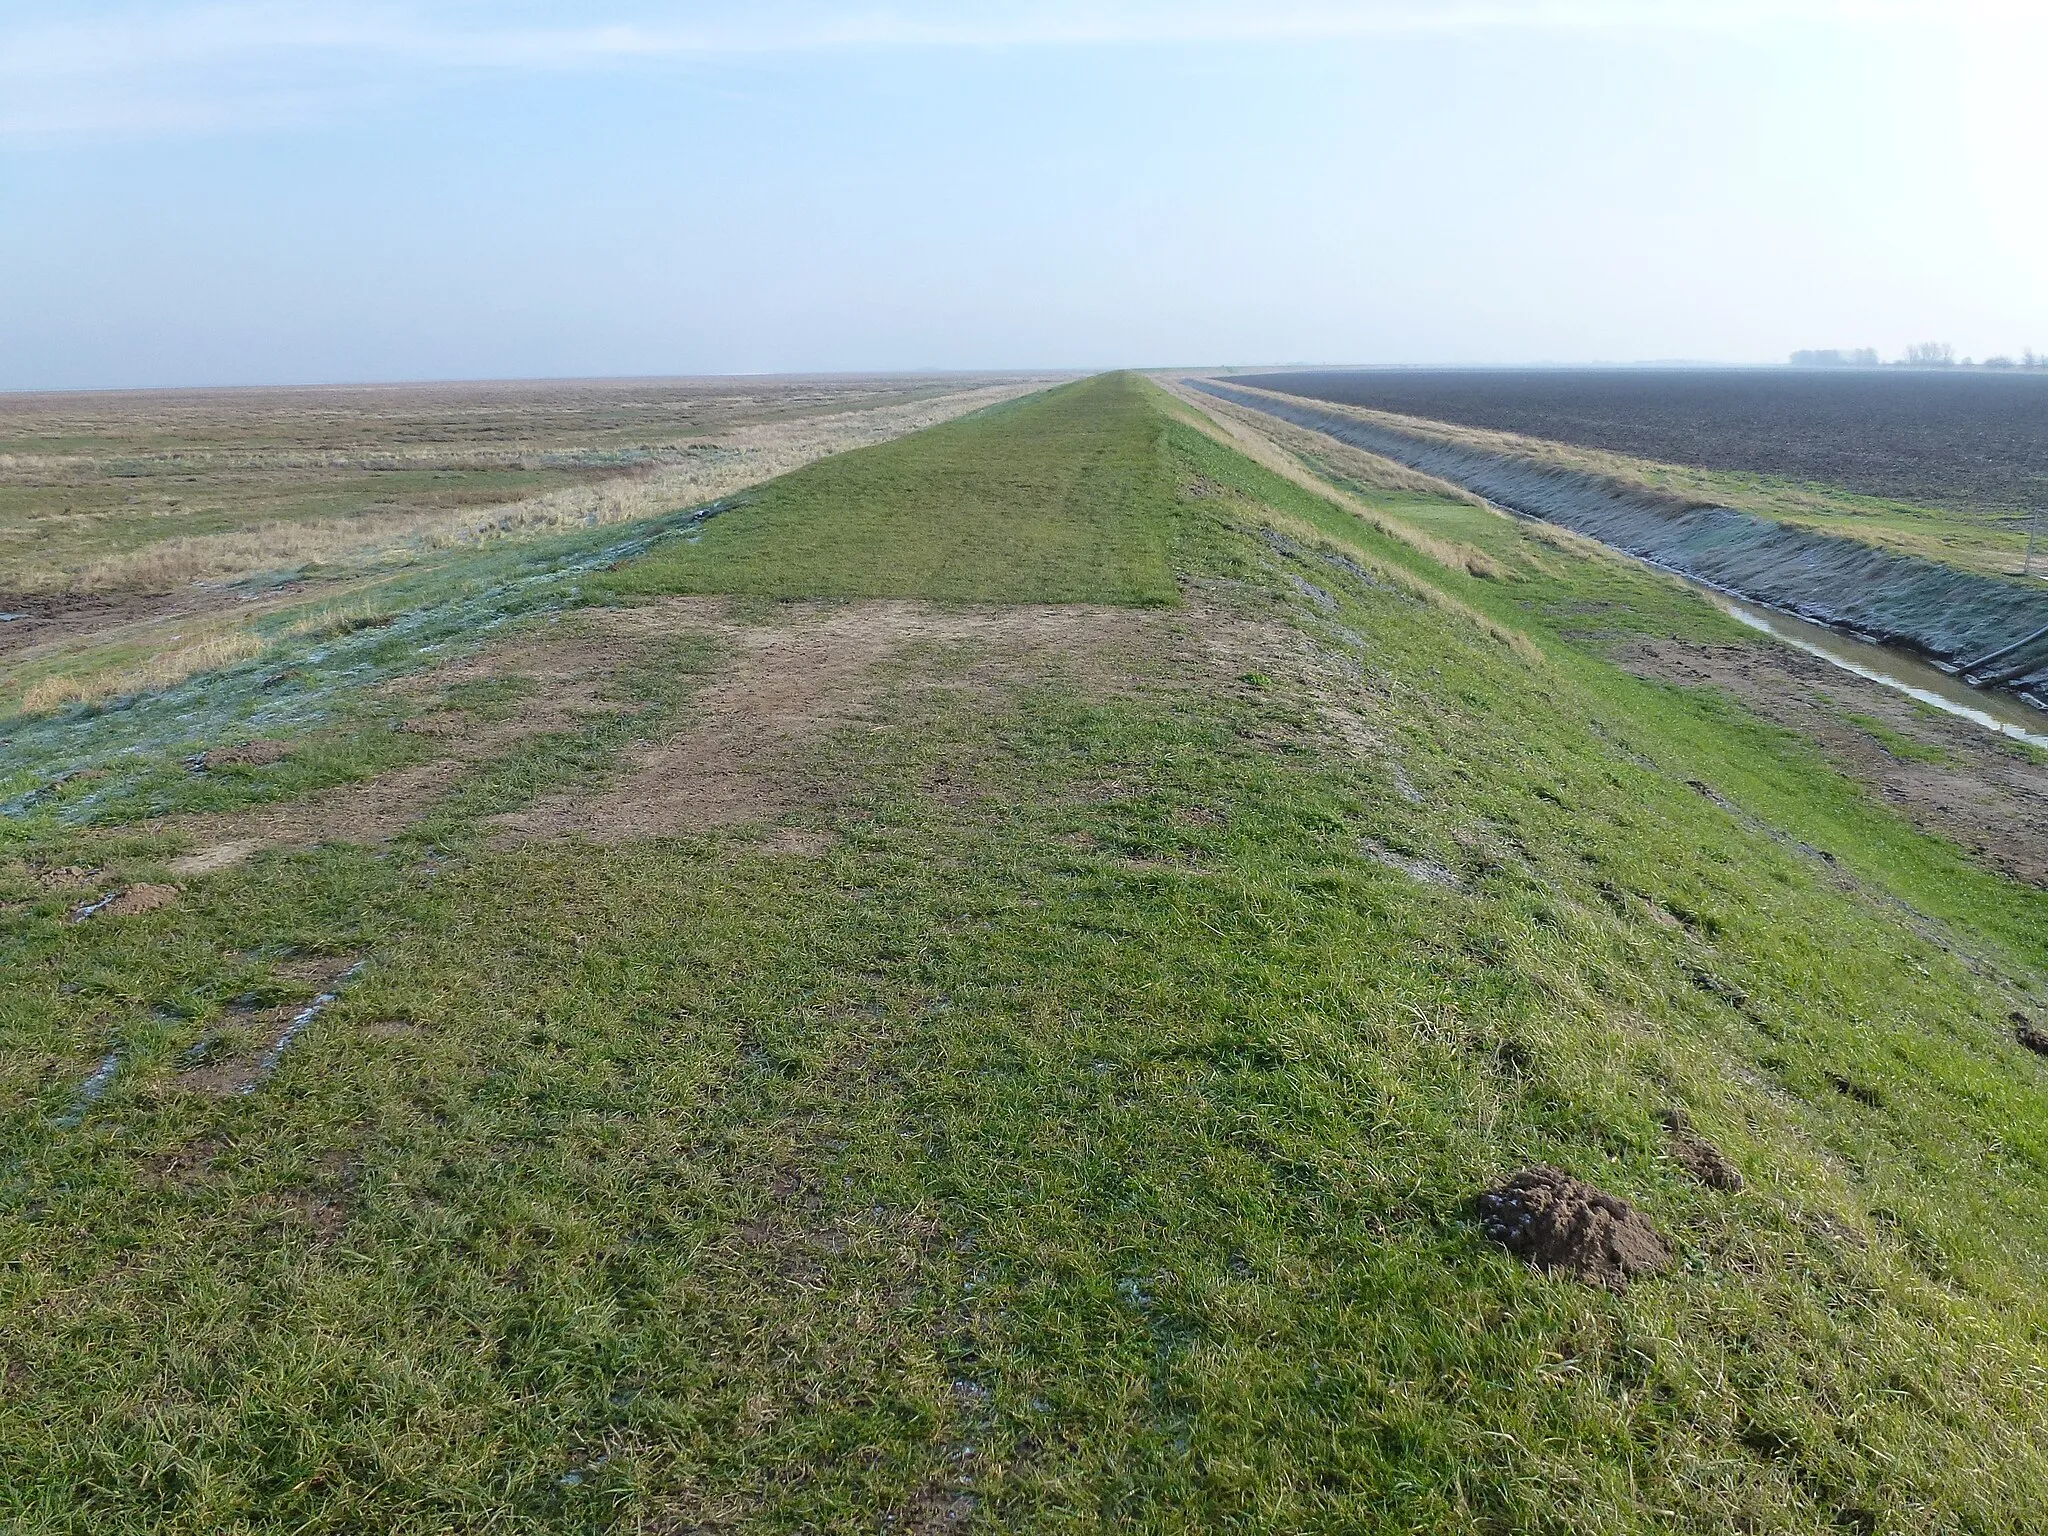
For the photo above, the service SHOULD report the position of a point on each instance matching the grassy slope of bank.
(1950, 615)
(1088, 1138)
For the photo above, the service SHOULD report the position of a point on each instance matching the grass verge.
(1059, 498)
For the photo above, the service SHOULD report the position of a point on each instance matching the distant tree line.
(1922, 354)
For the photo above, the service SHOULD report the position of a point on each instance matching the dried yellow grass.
(1244, 432)
(50, 694)
(344, 619)
(1283, 448)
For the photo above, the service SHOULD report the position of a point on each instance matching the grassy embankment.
(1088, 1139)
(1987, 543)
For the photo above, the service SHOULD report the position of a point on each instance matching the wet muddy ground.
(1951, 778)
(37, 618)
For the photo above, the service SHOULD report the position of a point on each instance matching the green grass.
(1091, 1135)
(1057, 499)
(1575, 604)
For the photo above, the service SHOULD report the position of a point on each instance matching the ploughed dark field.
(1949, 439)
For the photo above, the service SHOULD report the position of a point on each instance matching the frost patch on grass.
(91, 1090)
(1426, 871)
(301, 1020)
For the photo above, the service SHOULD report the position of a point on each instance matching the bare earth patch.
(248, 1043)
(819, 668)
(1983, 793)
(744, 752)
(368, 812)
(1699, 1156)
(570, 665)
(41, 618)
(216, 856)
(230, 1061)
(247, 754)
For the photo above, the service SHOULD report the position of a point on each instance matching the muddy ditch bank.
(1994, 632)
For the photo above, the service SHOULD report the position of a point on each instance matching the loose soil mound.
(1558, 1222)
(1699, 1156)
(247, 754)
(141, 898)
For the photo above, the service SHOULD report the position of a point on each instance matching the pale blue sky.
(247, 193)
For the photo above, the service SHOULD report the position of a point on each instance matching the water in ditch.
(1883, 664)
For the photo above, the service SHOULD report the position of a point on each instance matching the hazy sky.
(235, 192)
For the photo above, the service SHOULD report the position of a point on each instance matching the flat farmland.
(1945, 466)
(150, 490)
(142, 532)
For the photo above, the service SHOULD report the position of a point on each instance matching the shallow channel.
(1883, 664)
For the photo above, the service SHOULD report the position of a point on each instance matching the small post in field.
(2033, 527)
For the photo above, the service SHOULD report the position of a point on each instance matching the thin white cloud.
(199, 68)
